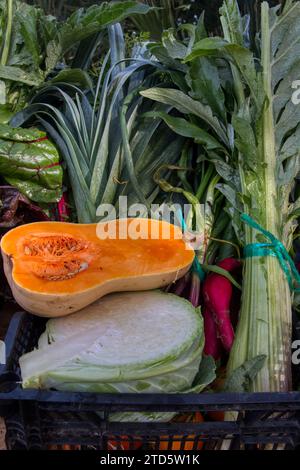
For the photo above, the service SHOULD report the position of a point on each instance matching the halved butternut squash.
(57, 268)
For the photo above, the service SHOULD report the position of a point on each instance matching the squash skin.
(128, 269)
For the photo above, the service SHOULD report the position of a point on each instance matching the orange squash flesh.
(57, 268)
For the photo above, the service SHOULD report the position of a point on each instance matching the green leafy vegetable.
(30, 163)
(16, 209)
(164, 15)
(34, 46)
(240, 379)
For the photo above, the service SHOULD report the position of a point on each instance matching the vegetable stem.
(8, 32)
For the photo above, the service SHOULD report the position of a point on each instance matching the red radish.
(212, 345)
(229, 264)
(217, 292)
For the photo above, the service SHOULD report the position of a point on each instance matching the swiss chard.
(16, 209)
(30, 163)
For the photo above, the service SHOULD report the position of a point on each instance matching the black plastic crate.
(39, 419)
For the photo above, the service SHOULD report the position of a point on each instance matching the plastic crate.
(38, 419)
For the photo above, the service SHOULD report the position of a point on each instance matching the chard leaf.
(16, 209)
(36, 190)
(30, 166)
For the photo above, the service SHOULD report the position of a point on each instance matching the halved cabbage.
(140, 342)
